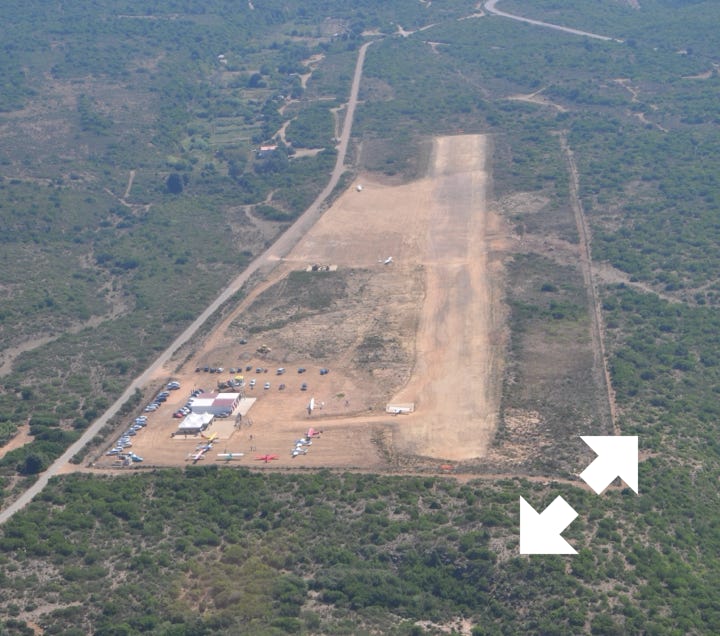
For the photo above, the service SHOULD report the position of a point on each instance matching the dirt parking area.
(426, 328)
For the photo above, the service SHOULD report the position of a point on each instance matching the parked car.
(324, 371)
(303, 387)
(267, 385)
(281, 387)
(301, 369)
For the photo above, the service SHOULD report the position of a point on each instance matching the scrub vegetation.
(106, 255)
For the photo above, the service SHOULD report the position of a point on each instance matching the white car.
(267, 385)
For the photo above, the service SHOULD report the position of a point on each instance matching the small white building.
(398, 409)
(195, 423)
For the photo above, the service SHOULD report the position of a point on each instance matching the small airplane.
(311, 432)
(210, 438)
(303, 441)
(311, 406)
(266, 458)
(386, 261)
(196, 457)
(299, 451)
(230, 456)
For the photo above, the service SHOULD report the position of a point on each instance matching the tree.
(33, 464)
(174, 183)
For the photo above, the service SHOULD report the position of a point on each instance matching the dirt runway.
(438, 304)
(456, 380)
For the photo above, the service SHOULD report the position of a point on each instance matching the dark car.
(301, 369)
(324, 371)
(303, 387)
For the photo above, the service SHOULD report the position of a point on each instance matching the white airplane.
(304, 441)
(299, 451)
(230, 456)
(311, 406)
(196, 457)
(386, 261)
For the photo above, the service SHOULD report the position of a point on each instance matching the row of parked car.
(187, 409)
(141, 421)
(125, 441)
(281, 387)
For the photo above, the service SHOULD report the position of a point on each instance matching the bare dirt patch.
(461, 335)
(428, 328)
(21, 438)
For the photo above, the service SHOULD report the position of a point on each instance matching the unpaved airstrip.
(428, 328)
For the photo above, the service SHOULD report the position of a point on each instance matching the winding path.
(490, 8)
(266, 260)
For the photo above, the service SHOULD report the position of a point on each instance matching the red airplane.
(312, 432)
(265, 458)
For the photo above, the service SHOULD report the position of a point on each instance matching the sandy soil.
(439, 231)
(21, 438)
(456, 381)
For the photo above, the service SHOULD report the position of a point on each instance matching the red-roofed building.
(215, 403)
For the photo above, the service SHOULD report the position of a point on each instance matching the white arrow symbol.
(540, 533)
(617, 457)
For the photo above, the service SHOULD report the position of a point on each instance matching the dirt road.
(265, 261)
(490, 8)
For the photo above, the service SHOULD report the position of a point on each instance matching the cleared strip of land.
(456, 379)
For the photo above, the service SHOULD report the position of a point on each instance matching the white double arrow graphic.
(540, 533)
(617, 457)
